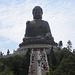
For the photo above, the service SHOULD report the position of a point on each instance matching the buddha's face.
(37, 12)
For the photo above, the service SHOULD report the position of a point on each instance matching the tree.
(66, 67)
(74, 51)
(52, 59)
(7, 71)
(65, 64)
(19, 65)
(69, 45)
(60, 55)
(2, 67)
(60, 44)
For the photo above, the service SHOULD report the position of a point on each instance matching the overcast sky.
(60, 15)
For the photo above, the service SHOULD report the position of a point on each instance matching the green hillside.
(17, 65)
(61, 62)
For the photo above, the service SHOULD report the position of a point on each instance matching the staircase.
(38, 62)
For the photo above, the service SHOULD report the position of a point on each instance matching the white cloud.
(60, 15)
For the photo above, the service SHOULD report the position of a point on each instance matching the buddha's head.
(37, 12)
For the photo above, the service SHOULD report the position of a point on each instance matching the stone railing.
(38, 64)
(46, 59)
(35, 46)
(30, 62)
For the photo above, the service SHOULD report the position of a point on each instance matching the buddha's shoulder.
(44, 21)
(40, 21)
(33, 21)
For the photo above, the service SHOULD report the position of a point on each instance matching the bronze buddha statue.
(37, 27)
(37, 30)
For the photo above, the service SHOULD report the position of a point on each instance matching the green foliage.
(2, 67)
(52, 59)
(66, 67)
(7, 71)
(47, 73)
(62, 54)
(19, 65)
(65, 63)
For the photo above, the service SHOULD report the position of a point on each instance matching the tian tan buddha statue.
(37, 30)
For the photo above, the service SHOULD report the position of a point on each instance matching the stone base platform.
(23, 50)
